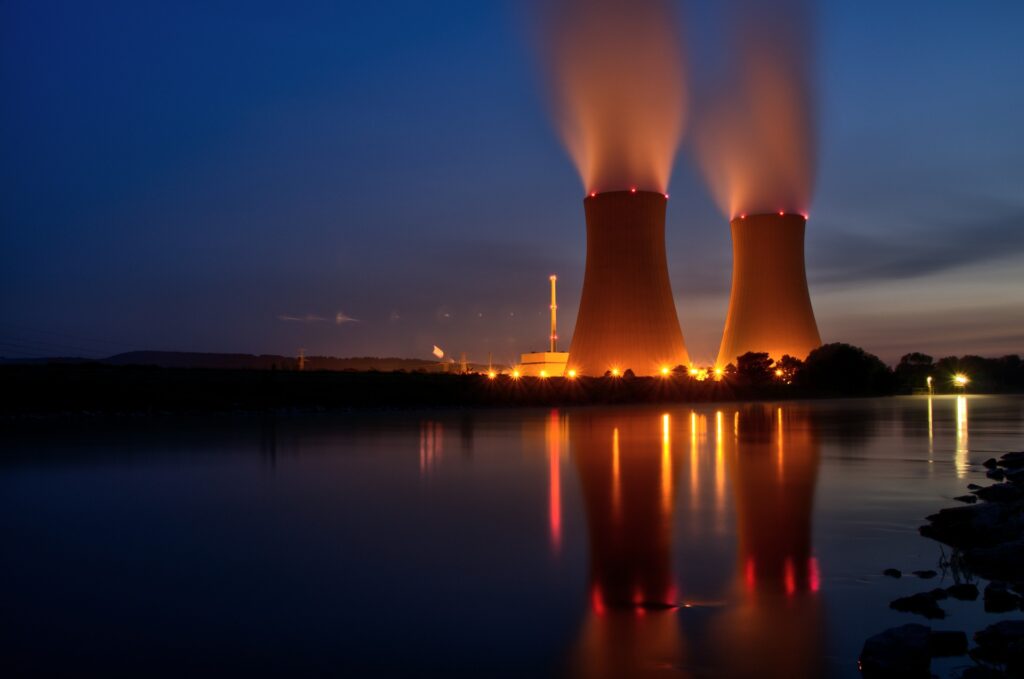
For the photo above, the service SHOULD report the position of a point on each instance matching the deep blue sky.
(187, 176)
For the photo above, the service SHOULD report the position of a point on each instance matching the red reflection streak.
(555, 489)
(597, 601)
(749, 575)
(815, 573)
(790, 577)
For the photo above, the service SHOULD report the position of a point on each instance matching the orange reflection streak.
(782, 450)
(694, 477)
(719, 467)
(616, 478)
(666, 465)
(431, 446)
(552, 434)
(962, 465)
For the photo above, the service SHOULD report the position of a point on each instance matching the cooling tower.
(770, 307)
(627, 317)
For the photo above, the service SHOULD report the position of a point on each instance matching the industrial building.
(627, 318)
(769, 305)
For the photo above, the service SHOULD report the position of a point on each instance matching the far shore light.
(960, 380)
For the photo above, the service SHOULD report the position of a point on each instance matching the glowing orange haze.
(755, 135)
(618, 87)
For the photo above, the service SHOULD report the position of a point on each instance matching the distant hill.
(185, 359)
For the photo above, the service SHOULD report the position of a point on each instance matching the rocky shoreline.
(987, 539)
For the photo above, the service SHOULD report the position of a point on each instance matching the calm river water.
(483, 543)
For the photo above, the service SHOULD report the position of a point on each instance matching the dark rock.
(963, 591)
(938, 594)
(996, 474)
(897, 652)
(1015, 475)
(999, 599)
(922, 604)
(973, 486)
(892, 573)
(1001, 492)
(990, 463)
(1003, 561)
(982, 672)
(994, 641)
(1012, 460)
(925, 575)
(969, 499)
(972, 525)
(1015, 659)
(945, 644)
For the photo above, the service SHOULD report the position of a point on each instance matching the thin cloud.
(308, 318)
(339, 318)
(342, 317)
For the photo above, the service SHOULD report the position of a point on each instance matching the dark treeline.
(830, 371)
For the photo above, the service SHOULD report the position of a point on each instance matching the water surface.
(716, 540)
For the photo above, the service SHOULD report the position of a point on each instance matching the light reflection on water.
(730, 540)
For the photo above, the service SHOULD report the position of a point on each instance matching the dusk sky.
(376, 178)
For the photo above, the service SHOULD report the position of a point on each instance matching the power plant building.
(769, 305)
(627, 317)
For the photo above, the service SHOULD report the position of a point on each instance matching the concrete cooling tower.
(770, 306)
(627, 317)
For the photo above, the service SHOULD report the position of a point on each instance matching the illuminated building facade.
(769, 306)
(627, 317)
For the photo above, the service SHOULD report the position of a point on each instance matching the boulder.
(1005, 561)
(997, 474)
(990, 463)
(892, 573)
(897, 652)
(999, 599)
(1001, 492)
(926, 574)
(922, 603)
(1012, 460)
(947, 643)
(994, 642)
(963, 591)
(969, 499)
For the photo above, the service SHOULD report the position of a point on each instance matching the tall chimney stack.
(554, 316)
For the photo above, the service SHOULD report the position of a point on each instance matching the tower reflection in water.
(640, 474)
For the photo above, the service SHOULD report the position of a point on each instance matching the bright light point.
(633, 190)
(515, 374)
(960, 379)
(778, 372)
(572, 374)
(615, 372)
(694, 372)
(719, 371)
(491, 375)
(781, 213)
(743, 216)
(666, 196)
(543, 373)
(593, 194)
(665, 371)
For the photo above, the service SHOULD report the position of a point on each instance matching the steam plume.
(618, 87)
(755, 133)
